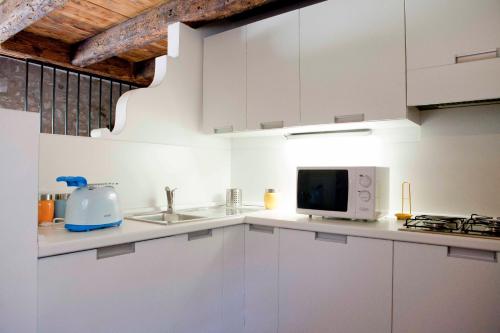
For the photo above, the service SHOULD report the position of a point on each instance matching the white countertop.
(55, 240)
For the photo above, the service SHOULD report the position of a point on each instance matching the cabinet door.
(446, 290)
(224, 82)
(233, 287)
(352, 61)
(452, 50)
(334, 283)
(114, 289)
(440, 30)
(261, 279)
(273, 72)
(198, 277)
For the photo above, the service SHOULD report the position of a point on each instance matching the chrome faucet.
(170, 199)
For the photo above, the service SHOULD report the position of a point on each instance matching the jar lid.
(270, 190)
(61, 196)
(45, 196)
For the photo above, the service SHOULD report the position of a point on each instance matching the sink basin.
(165, 218)
(192, 214)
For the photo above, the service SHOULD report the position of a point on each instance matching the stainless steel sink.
(165, 218)
(192, 214)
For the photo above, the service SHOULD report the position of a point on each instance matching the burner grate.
(475, 225)
(435, 223)
(483, 225)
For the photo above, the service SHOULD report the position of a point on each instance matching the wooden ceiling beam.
(26, 45)
(16, 15)
(152, 26)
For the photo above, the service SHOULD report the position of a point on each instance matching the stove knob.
(364, 196)
(365, 180)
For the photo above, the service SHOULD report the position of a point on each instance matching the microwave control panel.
(365, 201)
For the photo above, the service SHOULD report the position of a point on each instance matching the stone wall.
(12, 96)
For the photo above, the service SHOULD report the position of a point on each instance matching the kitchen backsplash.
(452, 161)
(142, 169)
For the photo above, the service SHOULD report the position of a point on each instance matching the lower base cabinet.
(445, 289)
(115, 289)
(334, 283)
(177, 284)
(261, 278)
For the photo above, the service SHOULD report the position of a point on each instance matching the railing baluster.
(53, 98)
(100, 100)
(41, 98)
(78, 107)
(90, 105)
(26, 85)
(110, 104)
(66, 104)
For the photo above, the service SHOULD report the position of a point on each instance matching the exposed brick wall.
(12, 96)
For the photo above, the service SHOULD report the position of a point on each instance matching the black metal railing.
(79, 102)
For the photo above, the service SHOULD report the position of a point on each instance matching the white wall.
(161, 143)
(141, 169)
(18, 220)
(453, 164)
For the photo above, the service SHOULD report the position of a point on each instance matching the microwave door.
(323, 190)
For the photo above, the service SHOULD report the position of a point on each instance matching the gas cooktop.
(474, 226)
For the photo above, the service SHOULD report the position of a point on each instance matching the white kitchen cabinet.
(224, 82)
(352, 61)
(186, 283)
(261, 279)
(334, 283)
(273, 72)
(452, 50)
(198, 279)
(123, 288)
(233, 287)
(446, 290)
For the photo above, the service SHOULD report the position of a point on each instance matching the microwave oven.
(358, 193)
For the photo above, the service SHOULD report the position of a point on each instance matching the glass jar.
(60, 205)
(270, 199)
(45, 208)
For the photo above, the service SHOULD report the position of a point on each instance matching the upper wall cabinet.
(224, 82)
(352, 61)
(453, 50)
(273, 72)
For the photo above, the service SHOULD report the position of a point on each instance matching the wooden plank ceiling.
(82, 19)
(113, 38)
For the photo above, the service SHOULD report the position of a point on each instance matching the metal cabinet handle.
(115, 250)
(272, 124)
(226, 129)
(491, 54)
(199, 234)
(328, 237)
(349, 118)
(261, 228)
(463, 253)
